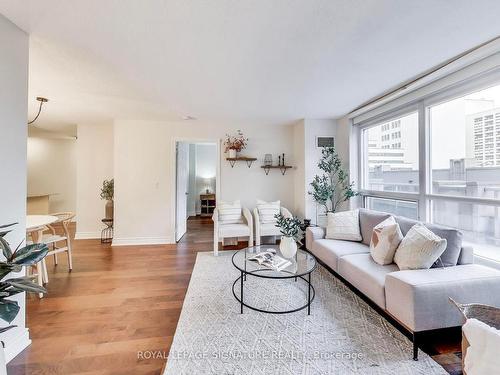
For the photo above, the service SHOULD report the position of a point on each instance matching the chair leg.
(70, 258)
(55, 259)
(39, 275)
(45, 275)
(415, 347)
(216, 246)
(257, 241)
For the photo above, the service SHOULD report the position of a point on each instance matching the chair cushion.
(269, 230)
(329, 251)
(368, 219)
(229, 212)
(343, 226)
(267, 211)
(367, 276)
(420, 298)
(452, 236)
(233, 230)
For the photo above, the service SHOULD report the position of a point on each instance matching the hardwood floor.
(119, 302)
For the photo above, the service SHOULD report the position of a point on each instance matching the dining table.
(35, 225)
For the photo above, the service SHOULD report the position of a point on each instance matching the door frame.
(173, 175)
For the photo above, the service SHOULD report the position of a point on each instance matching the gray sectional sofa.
(417, 299)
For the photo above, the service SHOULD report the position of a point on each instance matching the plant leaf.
(8, 310)
(4, 233)
(30, 254)
(24, 285)
(7, 252)
(7, 225)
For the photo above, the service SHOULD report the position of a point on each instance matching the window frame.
(422, 106)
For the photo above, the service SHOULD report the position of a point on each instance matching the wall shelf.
(282, 168)
(248, 160)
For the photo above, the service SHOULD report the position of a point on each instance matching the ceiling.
(278, 60)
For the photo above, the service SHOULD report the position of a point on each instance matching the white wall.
(306, 132)
(13, 130)
(144, 157)
(52, 169)
(94, 151)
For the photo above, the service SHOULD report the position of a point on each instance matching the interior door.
(182, 178)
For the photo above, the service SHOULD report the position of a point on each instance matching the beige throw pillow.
(419, 249)
(386, 238)
(343, 226)
(230, 212)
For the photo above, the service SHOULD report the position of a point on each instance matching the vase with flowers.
(235, 143)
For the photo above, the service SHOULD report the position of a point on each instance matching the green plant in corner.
(332, 187)
(14, 262)
(108, 189)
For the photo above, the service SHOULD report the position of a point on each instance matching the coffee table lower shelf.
(311, 292)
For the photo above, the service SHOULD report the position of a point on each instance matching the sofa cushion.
(367, 276)
(267, 211)
(368, 219)
(420, 298)
(230, 212)
(329, 251)
(452, 236)
(233, 230)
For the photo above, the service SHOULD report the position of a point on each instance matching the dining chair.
(35, 235)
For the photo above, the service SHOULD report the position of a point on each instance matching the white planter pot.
(232, 153)
(3, 365)
(288, 247)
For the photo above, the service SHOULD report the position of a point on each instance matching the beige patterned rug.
(343, 335)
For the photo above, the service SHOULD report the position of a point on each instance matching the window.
(392, 166)
(393, 206)
(461, 145)
(464, 166)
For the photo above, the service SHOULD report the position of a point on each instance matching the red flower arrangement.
(235, 142)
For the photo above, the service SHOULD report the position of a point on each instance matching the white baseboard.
(16, 340)
(127, 241)
(87, 235)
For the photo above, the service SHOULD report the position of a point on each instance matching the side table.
(107, 233)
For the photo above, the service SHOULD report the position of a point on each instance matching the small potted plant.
(107, 193)
(14, 262)
(290, 230)
(235, 143)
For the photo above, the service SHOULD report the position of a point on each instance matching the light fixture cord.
(38, 114)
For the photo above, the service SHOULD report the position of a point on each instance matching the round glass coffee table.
(303, 264)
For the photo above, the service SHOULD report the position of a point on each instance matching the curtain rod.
(423, 75)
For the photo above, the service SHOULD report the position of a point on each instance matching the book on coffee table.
(269, 259)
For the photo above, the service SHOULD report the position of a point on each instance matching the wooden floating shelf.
(282, 168)
(248, 160)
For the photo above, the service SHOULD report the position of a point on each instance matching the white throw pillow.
(343, 226)
(386, 238)
(419, 249)
(267, 210)
(230, 212)
(481, 357)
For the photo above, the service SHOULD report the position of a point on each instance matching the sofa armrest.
(466, 255)
(313, 234)
(420, 298)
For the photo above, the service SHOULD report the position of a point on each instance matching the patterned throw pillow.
(386, 238)
(419, 249)
(230, 212)
(343, 226)
(267, 210)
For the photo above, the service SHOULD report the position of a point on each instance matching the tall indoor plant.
(14, 262)
(107, 193)
(332, 187)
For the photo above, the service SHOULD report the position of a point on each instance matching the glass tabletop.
(302, 263)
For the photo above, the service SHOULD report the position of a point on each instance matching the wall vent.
(325, 142)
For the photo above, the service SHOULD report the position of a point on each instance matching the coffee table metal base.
(311, 293)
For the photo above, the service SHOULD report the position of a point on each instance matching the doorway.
(196, 183)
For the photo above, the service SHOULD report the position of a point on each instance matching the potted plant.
(290, 230)
(107, 193)
(14, 262)
(333, 187)
(235, 143)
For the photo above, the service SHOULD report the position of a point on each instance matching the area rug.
(343, 335)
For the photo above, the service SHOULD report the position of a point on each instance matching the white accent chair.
(267, 229)
(222, 230)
